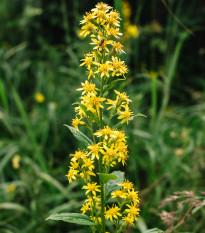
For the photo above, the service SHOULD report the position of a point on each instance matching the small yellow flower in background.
(40, 98)
(130, 30)
(11, 188)
(16, 161)
(179, 152)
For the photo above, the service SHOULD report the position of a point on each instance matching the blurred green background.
(40, 52)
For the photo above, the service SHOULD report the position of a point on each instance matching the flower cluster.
(96, 111)
(125, 196)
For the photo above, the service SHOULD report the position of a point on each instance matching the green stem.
(154, 100)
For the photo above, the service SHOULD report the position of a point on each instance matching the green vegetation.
(40, 53)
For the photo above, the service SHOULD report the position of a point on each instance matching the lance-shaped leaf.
(112, 184)
(80, 136)
(80, 219)
(104, 178)
(88, 112)
(111, 85)
(154, 230)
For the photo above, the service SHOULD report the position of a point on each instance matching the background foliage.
(40, 52)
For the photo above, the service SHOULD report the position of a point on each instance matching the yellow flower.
(76, 122)
(133, 211)
(118, 193)
(85, 208)
(94, 150)
(109, 154)
(88, 87)
(118, 67)
(127, 185)
(114, 32)
(93, 188)
(40, 98)
(78, 155)
(117, 47)
(16, 161)
(134, 196)
(122, 96)
(72, 175)
(88, 60)
(113, 103)
(88, 18)
(104, 69)
(106, 132)
(92, 101)
(11, 188)
(88, 163)
(87, 29)
(125, 115)
(129, 220)
(101, 43)
(113, 212)
(132, 31)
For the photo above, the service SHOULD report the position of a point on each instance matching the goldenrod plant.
(104, 118)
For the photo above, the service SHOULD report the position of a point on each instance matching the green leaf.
(112, 184)
(80, 219)
(79, 135)
(140, 114)
(111, 85)
(88, 112)
(154, 230)
(104, 178)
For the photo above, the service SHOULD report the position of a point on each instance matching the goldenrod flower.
(104, 69)
(85, 208)
(129, 220)
(113, 212)
(40, 98)
(117, 47)
(88, 87)
(94, 151)
(88, 163)
(72, 175)
(93, 188)
(125, 115)
(118, 67)
(76, 122)
(88, 60)
(106, 132)
(127, 185)
(118, 193)
(122, 96)
(87, 29)
(78, 155)
(133, 211)
(16, 161)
